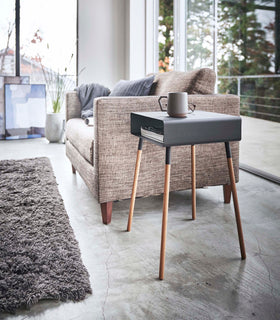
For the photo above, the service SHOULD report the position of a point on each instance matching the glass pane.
(7, 37)
(48, 44)
(200, 23)
(166, 36)
(248, 65)
(246, 43)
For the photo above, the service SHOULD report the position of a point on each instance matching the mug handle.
(192, 108)
(161, 108)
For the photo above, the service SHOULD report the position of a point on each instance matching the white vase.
(54, 127)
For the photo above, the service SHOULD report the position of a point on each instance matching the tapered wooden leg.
(164, 214)
(193, 182)
(227, 193)
(134, 188)
(73, 169)
(235, 201)
(106, 211)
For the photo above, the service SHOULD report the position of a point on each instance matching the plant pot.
(54, 127)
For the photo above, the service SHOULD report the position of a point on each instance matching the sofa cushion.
(201, 81)
(82, 137)
(140, 87)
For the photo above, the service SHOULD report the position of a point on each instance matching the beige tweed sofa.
(105, 154)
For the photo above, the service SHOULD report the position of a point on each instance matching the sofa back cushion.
(201, 81)
(139, 87)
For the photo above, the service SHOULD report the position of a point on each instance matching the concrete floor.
(260, 145)
(204, 276)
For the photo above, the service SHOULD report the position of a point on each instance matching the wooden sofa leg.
(106, 211)
(227, 193)
(73, 169)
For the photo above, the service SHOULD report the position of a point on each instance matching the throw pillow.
(201, 81)
(87, 93)
(139, 87)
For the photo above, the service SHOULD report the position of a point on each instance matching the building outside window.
(48, 39)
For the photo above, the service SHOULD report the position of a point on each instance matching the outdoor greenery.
(247, 47)
(166, 36)
(250, 52)
(199, 47)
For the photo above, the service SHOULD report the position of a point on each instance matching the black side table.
(199, 127)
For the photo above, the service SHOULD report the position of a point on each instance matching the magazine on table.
(152, 133)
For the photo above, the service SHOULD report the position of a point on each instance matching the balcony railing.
(259, 94)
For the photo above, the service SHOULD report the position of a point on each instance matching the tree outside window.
(166, 36)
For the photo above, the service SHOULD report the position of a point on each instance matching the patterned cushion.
(200, 81)
(141, 87)
(81, 137)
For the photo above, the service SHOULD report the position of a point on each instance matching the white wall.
(112, 40)
(136, 49)
(101, 43)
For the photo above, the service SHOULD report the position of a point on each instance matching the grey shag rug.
(39, 255)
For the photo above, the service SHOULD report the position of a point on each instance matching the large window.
(240, 40)
(47, 39)
(248, 65)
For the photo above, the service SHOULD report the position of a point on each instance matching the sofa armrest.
(115, 148)
(72, 105)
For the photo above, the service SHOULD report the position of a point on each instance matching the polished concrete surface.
(204, 275)
(260, 145)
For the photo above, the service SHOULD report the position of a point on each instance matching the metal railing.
(251, 102)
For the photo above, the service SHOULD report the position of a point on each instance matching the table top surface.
(198, 127)
(197, 115)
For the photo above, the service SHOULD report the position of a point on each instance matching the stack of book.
(152, 133)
